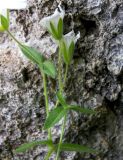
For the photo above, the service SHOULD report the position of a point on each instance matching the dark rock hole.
(25, 75)
(90, 25)
(115, 11)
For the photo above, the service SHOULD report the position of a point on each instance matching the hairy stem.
(60, 72)
(19, 43)
(60, 84)
(64, 121)
(63, 85)
(48, 154)
(46, 102)
(44, 85)
(61, 137)
(65, 75)
(45, 95)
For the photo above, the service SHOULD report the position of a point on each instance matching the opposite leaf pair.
(64, 147)
(54, 25)
(46, 66)
(59, 112)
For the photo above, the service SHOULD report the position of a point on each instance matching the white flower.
(13, 4)
(54, 23)
(5, 5)
(68, 45)
(71, 37)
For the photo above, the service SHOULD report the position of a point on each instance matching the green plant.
(66, 44)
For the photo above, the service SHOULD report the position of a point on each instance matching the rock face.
(95, 79)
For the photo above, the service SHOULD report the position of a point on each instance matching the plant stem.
(61, 137)
(60, 72)
(65, 75)
(63, 85)
(60, 84)
(46, 102)
(57, 102)
(64, 121)
(48, 154)
(13, 37)
(45, 94)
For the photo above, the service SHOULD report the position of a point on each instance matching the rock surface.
(95, 79)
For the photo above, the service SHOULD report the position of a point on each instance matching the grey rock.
(94, 80)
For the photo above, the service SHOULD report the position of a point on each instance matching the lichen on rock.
(94, 80)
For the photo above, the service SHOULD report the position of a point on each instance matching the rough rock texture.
(95, 79)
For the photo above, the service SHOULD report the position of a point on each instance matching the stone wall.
(95, 79)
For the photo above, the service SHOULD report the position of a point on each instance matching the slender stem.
(64, 121)
(57, 102)
(60, 71)
(14, 38)
(61, 137)
(48, 154)
(45, 90)
(65, 75)
(46, 101)
(45, 93)
(59, 74)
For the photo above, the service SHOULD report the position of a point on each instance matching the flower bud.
(67, 46)
(5, 5)
(54, 23)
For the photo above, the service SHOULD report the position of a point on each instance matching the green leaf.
(61, 98)
(54, 31)
(64, 52)
(80, 109)
(60, 28)
(4, 22)
(54, 117)
(32, 54)
(76, 148)
(48, 68)
(71, 51)
(26, 146)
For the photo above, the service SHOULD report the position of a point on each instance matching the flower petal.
(62, 12)
(77, 37)
(69, 37)
(54, 18)
(3, 12)
(13, 4)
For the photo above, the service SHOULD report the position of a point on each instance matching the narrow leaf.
(82, 110)
(4, 22)
(54, 31)
(54, 117)
(64, 52)
(49, 69)
(61, 99)
(71, 51)
(76, 148)
(60, 28)
(32, 54)
(26, 146)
